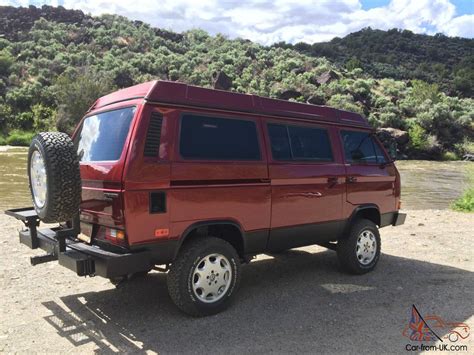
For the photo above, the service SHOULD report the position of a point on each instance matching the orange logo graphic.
(432, 328)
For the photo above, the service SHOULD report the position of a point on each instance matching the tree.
(76, 90)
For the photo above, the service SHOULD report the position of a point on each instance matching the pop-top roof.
(174, 93)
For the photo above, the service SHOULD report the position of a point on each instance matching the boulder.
(401, 137)
(289, 94)
(250, 53)
(316, 100)
(314, 80)
(299, 70)
(327, 77)
(222, 81)
(468, 157)
(171, 36)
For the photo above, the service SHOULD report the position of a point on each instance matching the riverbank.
(17, 138)
(427, 262)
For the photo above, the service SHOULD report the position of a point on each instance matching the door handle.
(351, 179)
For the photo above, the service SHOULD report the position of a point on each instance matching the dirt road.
(294, 302)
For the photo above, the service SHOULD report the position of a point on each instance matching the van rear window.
(213, 138)
(101, 137)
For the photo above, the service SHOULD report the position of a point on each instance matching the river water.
(425, 184)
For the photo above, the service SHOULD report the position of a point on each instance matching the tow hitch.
(61, 243)
(53, 241)
(29, 236)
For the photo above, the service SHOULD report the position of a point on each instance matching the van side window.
(361, 147)
(310, 143)
(280, 142)
(299, 143)
(218, 138)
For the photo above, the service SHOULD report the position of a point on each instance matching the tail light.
(112, 235)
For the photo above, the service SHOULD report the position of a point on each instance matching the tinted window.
(102, 136)
(310, 143)
(280, 142)
(360, 147)
(299, 143)
(218, 139)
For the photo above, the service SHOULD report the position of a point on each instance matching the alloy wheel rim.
(38, 179)
(211, 278)
(366, 247)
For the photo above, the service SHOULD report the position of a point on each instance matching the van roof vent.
(152, 143)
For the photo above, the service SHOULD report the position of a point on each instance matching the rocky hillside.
(403, 55)
(55, 62)
(15, 22)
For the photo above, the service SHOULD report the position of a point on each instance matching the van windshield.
(101, 137)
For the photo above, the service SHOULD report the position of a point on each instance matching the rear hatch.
(101, 141)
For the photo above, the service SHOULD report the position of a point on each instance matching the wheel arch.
(367, 211)
(228, 230)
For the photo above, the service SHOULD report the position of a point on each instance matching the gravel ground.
(295, 302)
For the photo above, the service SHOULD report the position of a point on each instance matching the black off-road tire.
(63, 193)
(181, 271)
(347, 248)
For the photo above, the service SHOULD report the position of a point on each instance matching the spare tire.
(54, 177)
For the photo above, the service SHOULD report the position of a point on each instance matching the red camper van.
(195, 182)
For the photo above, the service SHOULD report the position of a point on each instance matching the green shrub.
(422, 91)
(6, 62)
(418, 137)
(19, 138)
(466, 147)
(43, 117)
(344, 102)
(465, 203)
(449, 156)
(353, 63)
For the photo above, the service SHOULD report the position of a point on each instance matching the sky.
(270, 21)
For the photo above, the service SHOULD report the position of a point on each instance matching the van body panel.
(203, 190)
(306, 196)
(145, 175)
(373, 184)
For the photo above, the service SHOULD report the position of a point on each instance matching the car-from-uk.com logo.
(424, 332)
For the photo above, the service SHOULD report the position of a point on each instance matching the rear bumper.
(399, 219)
(85, 260)
(392, 219)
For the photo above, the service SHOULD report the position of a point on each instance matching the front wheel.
(360, 251)
(204, 276)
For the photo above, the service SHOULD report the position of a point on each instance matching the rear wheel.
(204, 276)
(360, 251)
(54, 177)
